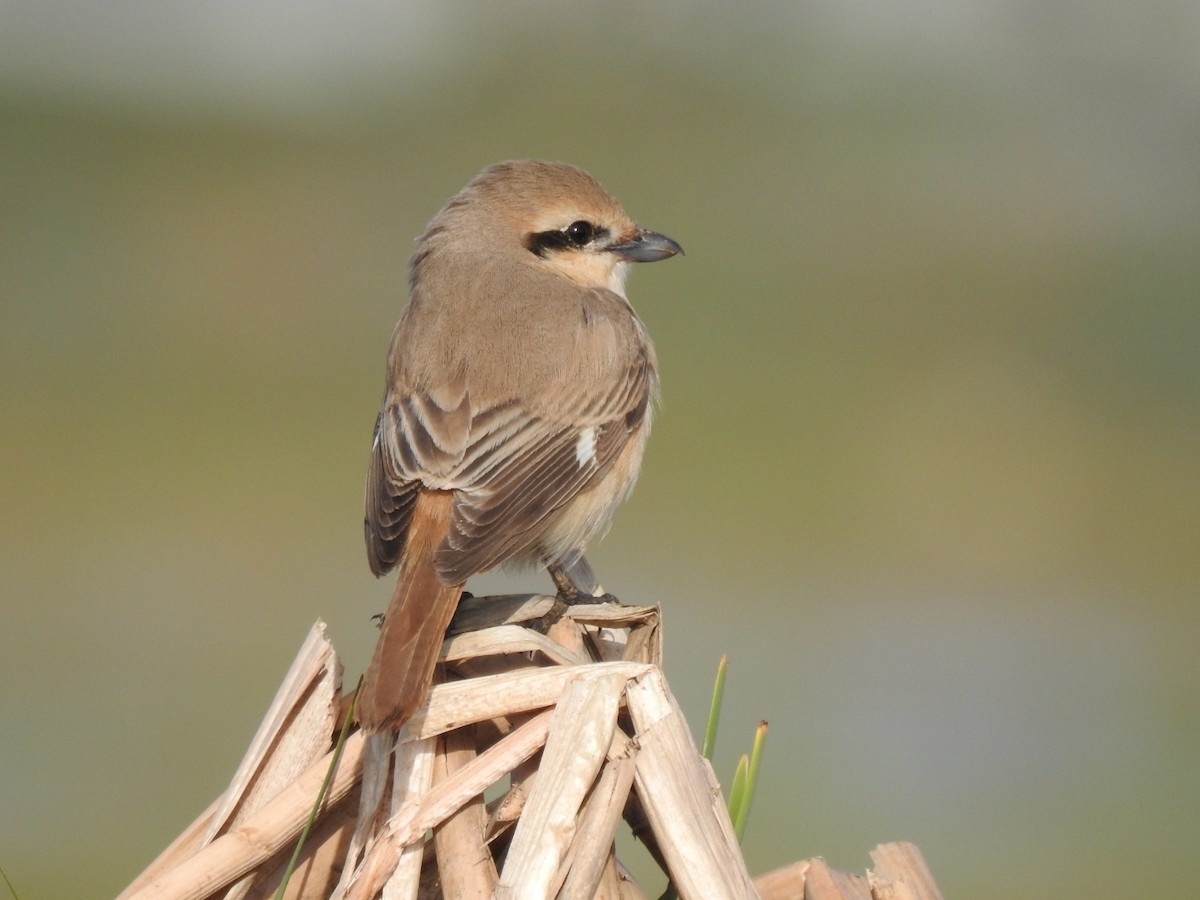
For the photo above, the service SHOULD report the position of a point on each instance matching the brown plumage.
(519, 392)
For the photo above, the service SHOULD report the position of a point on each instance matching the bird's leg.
(577, 583)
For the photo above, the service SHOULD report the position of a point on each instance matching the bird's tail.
(398, 678)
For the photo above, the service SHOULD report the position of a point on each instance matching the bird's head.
(551, 215)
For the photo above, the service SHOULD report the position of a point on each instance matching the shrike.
(518, 401)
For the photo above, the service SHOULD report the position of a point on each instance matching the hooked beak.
(645, 246)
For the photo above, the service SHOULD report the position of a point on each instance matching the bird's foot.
(571, 591)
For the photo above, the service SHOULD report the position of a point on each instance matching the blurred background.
(927, 466)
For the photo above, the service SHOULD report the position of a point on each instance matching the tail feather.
(398, 678)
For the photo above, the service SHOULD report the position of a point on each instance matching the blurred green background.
(927, 462)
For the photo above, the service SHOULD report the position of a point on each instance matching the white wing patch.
(585, 447)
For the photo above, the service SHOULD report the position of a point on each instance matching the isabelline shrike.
(519, 391)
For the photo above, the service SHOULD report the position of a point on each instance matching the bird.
(519, 393)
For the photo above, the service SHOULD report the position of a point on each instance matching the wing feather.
(512, 463)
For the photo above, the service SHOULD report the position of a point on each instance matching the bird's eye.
(580, 233)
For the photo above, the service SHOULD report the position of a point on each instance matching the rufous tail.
(398, 678)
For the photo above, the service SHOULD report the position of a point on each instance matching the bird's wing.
(509, 491)
(511, 463)
(419, 436)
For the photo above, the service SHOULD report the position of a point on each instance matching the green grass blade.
(12, 890)
(737, 791)
(312, 816)
(749, 782)
(714, 710)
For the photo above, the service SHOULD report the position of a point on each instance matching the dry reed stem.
(407, 827)
(592, 854)
(558, 694)
(827, 883)
(478, 613)
(580, 733)
(294, 733)
(320, 863)
(466, 867)
(411, 779)
(683, 800)
(900, 873)
(462, 703)
(260, 837)
(509, 639)
(784, 883)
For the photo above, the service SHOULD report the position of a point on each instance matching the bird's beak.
(645, 246)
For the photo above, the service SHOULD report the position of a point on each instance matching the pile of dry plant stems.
(572, 725)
